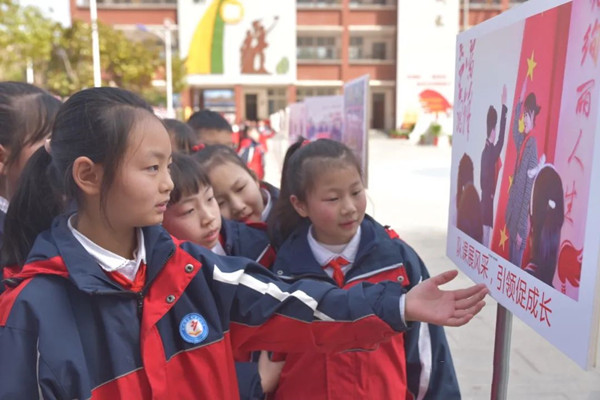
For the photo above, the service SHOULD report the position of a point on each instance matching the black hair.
(492, 119)
(93, 123)
(212, 156)
(465, 175)
(187, 175)
(184, 136)
(468, 215)
(26, 116)
(207, 119)
(303, 163)
(21, 228)
(547, 217)
(531, 107)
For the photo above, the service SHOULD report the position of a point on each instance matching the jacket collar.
(295, 256)
(58, 243)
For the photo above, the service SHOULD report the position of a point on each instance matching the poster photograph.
(356, 94)
(324, 117)
(524, 215)
(296, 122)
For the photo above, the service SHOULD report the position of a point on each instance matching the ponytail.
(283, 218)
(31, 210)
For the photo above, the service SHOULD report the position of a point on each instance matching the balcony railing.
(317, 53)
(318, 3)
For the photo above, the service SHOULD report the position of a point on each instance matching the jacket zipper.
(140, 295)
(140, 304)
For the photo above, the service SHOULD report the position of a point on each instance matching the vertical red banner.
(541, 68)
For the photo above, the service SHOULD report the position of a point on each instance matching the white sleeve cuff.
(402, 308)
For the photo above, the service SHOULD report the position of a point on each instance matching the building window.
(378, 50)
(304, 92)
(372, 2)
(356, 48)
(276, 99)
(371, 47)
(316, 48)
(318, 3)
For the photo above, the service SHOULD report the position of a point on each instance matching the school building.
(251, 58)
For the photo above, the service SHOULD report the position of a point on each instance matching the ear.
(87, 175)
(4, 153)
(299, 206)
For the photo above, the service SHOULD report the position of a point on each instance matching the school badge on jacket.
(193, 328)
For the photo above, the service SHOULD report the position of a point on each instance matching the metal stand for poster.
(501, 353)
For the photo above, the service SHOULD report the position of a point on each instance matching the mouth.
(162, 206)
(348, 224)
(245, 217)
(212, 235)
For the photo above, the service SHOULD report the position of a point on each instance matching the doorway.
(251, 100)
(378, 116)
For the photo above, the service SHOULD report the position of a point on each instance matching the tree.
(25, 36)
(125, 63)
(62, 56)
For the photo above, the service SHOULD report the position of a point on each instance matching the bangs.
(188, 177)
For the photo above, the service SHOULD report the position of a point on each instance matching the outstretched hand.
(427, 303)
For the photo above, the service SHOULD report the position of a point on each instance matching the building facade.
(272, 54)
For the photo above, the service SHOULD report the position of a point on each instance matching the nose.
(348, 206)
(237, 205)
(207, 217)
(166, 183)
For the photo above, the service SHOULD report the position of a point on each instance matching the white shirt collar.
(218, 249)
(108, 260)
(268, 205)
(3, 204)
(324, 253)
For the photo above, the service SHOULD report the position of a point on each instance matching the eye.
(221, 203)
(357, 192)
(239, 189)
(187, 212)
(153, 168)
(331, 199)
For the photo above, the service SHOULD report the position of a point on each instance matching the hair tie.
(552, 204)
(305, 142)
(47, 146)
(198, 147)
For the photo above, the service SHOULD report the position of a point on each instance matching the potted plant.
(403, 132)
(436, 131)
(432, 134)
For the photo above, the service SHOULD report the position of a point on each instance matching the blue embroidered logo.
(193, 328)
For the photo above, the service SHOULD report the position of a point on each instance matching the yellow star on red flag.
(510, 181)
(531, 64)
(503, 237)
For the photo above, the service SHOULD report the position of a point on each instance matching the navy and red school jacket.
(68, 331)
(253, 154)
(273, 191)
(250, 241)
(419, 360)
